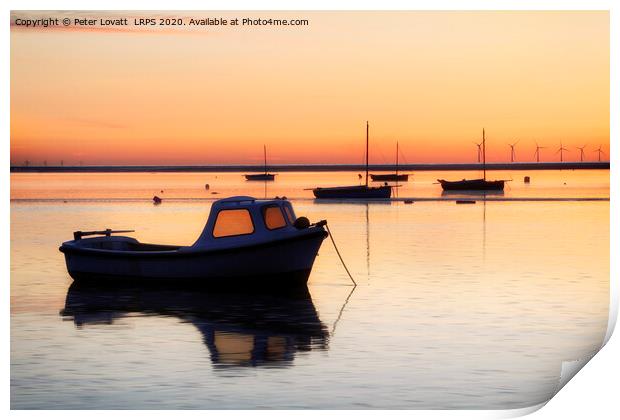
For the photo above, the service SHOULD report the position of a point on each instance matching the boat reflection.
(238, 329)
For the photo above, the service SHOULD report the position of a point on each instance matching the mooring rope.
(350, 276)
(346, 301)
(340, 256)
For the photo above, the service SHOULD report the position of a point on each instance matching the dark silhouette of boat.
(239, 330)
(355, 191)
(260, 177)
(472, 185)
(391, 177)
(264, 176)
(247, 242)
(475, 193)
(475, 184)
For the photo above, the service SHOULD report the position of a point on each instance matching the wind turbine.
(479, 150)
(600, 152)
(560, 150)
(512, 151)
(537, 153)
(581, 154)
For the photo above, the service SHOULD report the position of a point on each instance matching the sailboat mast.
(265, 157)
(484, 157)
(366, 153)
(397, 160)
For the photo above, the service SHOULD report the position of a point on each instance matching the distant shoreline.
(520, 166)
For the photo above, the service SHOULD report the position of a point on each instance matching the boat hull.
(472, 185)
(353, 192)
(280, 263)
(260, 177)
(389, 177)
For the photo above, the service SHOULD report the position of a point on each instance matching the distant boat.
(475, 184)
(264, 176)
(391, 177)
(355, 191)
(472, 185)
(276, 250)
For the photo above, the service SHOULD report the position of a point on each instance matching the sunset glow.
(429, 80)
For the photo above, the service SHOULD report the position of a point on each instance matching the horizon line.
(314, 167)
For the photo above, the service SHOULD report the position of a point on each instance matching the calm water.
(458, 306)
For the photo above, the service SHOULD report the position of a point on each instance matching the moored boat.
(266, 176)
(257, 243)
(355, 191)
(472, 185)
(260, 177)
(391, 177)
(475, 184)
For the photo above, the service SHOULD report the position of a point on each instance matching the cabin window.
(233, 223)
(289, 214)
(274, 219)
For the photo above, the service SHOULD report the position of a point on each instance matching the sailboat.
(475, 184)
(264, 176)
(355, 191)
(391, 177)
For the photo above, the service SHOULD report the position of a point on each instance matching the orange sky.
(430, 80)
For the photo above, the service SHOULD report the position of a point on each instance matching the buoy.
(156, 200)
(207, 186)
(162, 191)
(214, 192)
(408, 201)
(526, 179)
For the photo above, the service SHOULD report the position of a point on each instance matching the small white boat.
(257, 243)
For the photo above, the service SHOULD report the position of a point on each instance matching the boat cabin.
(242, 220)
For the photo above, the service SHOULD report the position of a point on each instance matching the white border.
(593, 394)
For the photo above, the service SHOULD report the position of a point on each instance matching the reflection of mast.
(484, 228)
(367, 241)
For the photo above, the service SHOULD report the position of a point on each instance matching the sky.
(214, 95)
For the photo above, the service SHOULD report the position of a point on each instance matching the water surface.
(457, 306)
